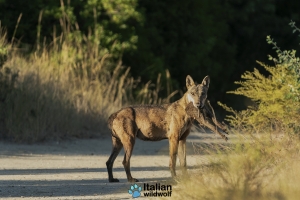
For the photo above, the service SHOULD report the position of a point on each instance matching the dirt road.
(75, 169)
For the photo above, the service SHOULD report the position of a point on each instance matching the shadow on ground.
(56, 188)
(81, 170)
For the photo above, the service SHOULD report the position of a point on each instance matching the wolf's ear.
(189, 81)
(206, 81)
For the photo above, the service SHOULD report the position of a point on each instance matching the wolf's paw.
(135, 190)
(133, 180)
(113, 180)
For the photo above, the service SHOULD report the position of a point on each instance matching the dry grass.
(255, 167)
(68, 88)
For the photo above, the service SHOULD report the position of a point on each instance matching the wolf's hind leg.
(128, 147)
(117, 146)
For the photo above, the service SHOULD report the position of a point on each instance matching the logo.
(135, 191)
(151, 190)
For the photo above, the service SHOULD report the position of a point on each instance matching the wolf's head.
(197, 93)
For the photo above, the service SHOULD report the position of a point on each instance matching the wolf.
(155, 123)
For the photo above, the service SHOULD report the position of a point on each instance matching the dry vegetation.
(264, 162)
(257, 167)
(67, 88)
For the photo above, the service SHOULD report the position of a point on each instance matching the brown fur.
(154, 123)
(206, 117)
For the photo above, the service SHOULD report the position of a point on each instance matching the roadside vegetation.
(263, 163)
(65, 80)
(66, 88)
(209, 37)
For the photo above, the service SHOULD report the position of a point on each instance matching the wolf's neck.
(183, 101)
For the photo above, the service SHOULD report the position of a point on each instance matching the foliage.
(112, 22)
(184, 38)
(195, 37)
(275, 98)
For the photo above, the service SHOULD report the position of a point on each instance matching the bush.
(257, 166)
(275, 97)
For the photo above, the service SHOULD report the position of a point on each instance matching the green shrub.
(275, 97)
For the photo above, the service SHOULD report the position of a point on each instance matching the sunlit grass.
(67, 88)
(260, 168)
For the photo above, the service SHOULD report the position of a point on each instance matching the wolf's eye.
(192, 93)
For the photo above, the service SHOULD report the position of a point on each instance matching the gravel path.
(75, 169)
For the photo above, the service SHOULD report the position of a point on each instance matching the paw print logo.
(135, 191)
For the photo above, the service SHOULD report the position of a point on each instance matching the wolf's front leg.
(182, 151)
(173, 145)
(182, 155)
